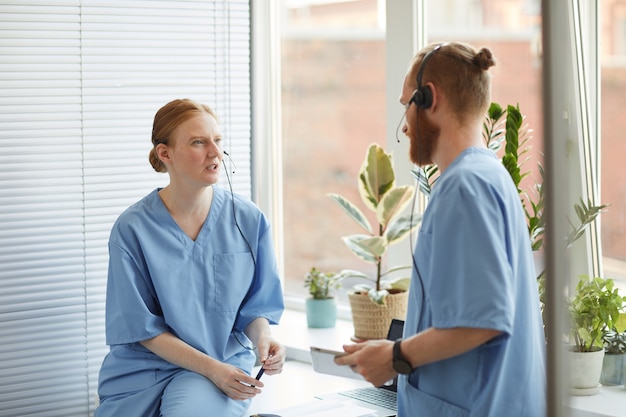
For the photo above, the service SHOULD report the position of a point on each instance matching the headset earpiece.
(423, 95)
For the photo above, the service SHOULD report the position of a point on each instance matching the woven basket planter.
(371, 320)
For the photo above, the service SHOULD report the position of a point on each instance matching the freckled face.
(196, 153)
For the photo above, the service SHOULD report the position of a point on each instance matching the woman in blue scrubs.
(192, 285)
(473, 340)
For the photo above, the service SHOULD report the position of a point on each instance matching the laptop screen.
(395, 329)
(395, 332)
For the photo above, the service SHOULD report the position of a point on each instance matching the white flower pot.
(585, 369)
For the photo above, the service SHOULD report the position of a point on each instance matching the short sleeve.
(471, 279)
(266, 299)
(133, 313)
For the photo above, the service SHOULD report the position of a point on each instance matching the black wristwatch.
(400, 364)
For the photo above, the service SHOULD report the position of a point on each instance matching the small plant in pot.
(594, 307)
(614, 355)
(321, 308)
(373, 306)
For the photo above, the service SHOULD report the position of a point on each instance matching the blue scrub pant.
(189, 394)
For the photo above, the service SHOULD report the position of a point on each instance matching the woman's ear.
(163, 152)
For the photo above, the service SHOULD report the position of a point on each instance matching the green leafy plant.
(322, 284)
(380, 194)
(594, 308)
(506, 127)
(505, 132)
(614, 342)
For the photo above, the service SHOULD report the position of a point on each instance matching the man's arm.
(373, 359)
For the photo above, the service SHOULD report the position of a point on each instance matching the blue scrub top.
(161, 280)
(476, 269)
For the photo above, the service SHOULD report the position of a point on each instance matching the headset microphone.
(235, 332)
(231, 161)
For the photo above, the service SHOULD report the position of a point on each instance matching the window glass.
(612, 50)
(512, 31)
(333, 106)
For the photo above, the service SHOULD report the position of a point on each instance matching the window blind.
(81, 82)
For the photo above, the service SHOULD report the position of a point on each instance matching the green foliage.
(614, 341)
(380, 194)
(515, 137)
(321, 284)
(586, 213)
(426, 177)
(505, 133)
(504, 128)
(595, 307)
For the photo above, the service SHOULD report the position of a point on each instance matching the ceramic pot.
(371, 320)
(585, 369)
(321, 313)
(612, 369)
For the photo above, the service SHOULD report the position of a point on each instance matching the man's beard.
(423, 140)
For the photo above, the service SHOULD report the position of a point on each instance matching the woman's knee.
(192, 395)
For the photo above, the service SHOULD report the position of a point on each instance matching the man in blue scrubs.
(473, 340)
(192, 285)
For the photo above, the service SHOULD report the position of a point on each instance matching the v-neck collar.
(217, 203)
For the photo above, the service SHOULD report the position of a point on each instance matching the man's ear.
(435, 96)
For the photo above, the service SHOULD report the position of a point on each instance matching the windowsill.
(297, 337)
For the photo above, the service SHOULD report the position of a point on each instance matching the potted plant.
(321, 308)
(594, 308)
(374, 306)
(614, 353)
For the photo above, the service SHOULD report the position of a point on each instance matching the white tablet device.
(324, 362)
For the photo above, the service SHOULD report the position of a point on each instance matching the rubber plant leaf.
(353, 211)
(378, 296)
(368, 248)
(400, 284)
(393, 203)
(400, 227)
(376, 176)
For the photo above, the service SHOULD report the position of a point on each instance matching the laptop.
(383, 399)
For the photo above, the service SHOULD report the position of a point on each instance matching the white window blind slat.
(81, 82)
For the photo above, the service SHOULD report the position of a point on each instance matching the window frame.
(580, 123)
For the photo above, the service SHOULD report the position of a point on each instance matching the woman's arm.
(271, 353)
(231, 380)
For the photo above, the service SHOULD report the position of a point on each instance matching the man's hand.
(372, 359)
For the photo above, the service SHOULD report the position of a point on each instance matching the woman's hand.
(271, 354)
(235, 383)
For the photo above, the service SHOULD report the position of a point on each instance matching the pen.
(261, 371)
(258, 376)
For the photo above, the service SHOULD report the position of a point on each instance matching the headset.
(423, 95)
(423, 99)
(235, 333)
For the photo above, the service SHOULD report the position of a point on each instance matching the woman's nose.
(214, 148)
